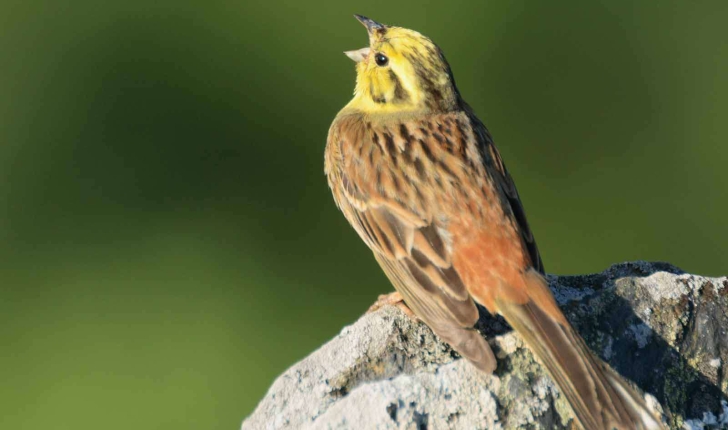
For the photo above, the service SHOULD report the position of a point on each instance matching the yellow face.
(401, 70)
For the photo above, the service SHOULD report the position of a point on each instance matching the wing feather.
(408, 240)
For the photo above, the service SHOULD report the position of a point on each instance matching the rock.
(657, 326)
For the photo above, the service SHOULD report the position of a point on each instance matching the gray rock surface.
(660, 328)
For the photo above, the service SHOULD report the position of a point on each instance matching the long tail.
(600, 398)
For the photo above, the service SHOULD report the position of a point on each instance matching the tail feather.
(598, 395)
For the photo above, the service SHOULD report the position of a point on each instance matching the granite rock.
(660, 328)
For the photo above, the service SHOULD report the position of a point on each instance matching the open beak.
(372, 26)
(358, 55)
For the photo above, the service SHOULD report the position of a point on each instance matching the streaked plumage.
(418, 177)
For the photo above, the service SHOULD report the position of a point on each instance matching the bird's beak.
(358, 55)
(370, 24)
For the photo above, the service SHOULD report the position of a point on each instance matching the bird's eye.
(381, 59)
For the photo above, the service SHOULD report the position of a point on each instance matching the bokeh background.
(168, 244)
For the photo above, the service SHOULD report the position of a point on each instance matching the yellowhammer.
(418, 177)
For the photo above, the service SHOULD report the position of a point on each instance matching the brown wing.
(502, 178)
(408, 239)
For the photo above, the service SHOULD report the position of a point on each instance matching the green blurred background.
(168, 244)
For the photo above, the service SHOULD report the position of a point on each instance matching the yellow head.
(401, 70)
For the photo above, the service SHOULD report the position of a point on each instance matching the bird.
(418, 177)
